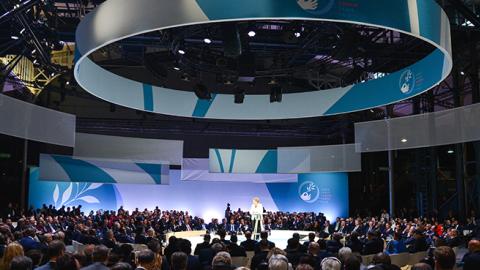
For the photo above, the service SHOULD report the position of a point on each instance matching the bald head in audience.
(474, 245)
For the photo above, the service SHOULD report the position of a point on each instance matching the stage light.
(462, 73)
(53, 74)
(35, 62)
(251, 33)
(207, 40)
(176, 68)
(21, 31)
(14, 37)
(182, 52)
(276, 94)
(67, 83)
(450, 151)
(202, 92)
(34, 51)
(404, 140)
(297, 34)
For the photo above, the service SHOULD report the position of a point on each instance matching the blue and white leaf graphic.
(94, 186)
(66, 194)
(89, 199)
(56, 193)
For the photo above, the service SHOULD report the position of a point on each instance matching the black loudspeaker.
(276, 94)
(202, 92)
(239, 96)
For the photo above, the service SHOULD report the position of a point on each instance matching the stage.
(279, 237)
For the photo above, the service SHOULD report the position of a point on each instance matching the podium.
(257, 225)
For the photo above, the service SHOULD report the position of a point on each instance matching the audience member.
(12, 250)
(205, 244)
(178, 261)
(471, 260)
(331, 263)
(99, 258)
(444, 258)
(146, 260)
(67, 262)
(54, 251)
(234, 249)
(249, 244)
(21, 263)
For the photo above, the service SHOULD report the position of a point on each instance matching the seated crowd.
(38, 240)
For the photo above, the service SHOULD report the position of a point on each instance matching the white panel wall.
(24, 120)
(327, 158)
(103, 146)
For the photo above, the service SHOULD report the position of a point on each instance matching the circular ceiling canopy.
(279, 59)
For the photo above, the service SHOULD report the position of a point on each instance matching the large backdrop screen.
(319, 192)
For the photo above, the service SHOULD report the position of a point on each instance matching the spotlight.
(403, 140)
(276, 94)
(182, 52)
(67, 83)
(462, 73)
(251, 33)
(297, 34)
(450, 151)
(202, 92)
(176, 68)
(14, 37)
(207, 40)
(239, 96)
(53, 74)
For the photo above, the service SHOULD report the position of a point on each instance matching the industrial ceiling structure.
(37, 51)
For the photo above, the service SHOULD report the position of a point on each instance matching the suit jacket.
(231, 227)
(313, 261)
(260, 257)
(257, 246)
(205, 256)
(249, 245)
(373, 246)
(355, 245)
(418, 245)
(237, 251)
(199, 247)
(47, 266)
(293, 256)
(193, 263)
(333, 246)
(395, 247)
(29, 243)
(96, 266)
(471, 261)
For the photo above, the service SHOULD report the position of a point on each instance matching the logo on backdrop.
(407, 82)
(316, 7)
(308, 192)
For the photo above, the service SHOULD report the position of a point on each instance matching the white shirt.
(256, 210)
